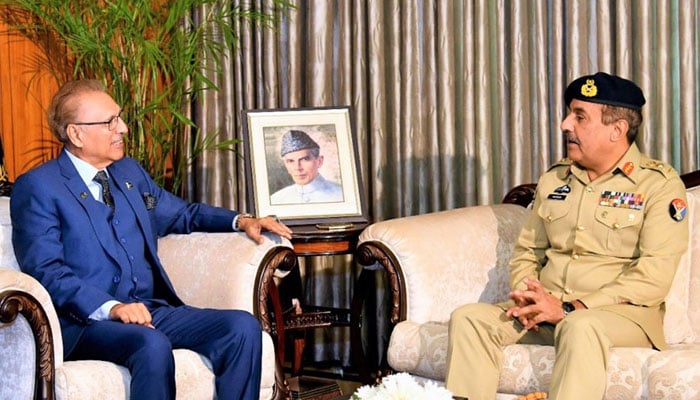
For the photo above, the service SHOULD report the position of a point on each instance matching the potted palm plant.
(156, 56)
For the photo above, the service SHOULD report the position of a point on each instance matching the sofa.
(217, 270)
(436, 262)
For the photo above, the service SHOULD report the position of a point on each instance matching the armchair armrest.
(218, 270)
(439, 261)
(231, 271)
(21, 295)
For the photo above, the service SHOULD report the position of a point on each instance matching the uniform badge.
(589, 89)
(633, 201)
(628, 168)
(556, 196)
(563, 189)
(678, 209)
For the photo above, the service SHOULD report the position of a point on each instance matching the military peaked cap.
(603, 88)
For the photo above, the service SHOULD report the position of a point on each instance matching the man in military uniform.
(593, 262)
(302, 157)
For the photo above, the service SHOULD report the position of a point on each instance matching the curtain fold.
(454, 102)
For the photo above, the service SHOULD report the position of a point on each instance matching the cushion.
(97, 380)
(678, 327)
(421, 349)
(675, 373)
(694, 263)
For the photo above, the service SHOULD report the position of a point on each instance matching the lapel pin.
(83, 195)
(129, 185)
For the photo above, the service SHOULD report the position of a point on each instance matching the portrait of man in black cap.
(302, 158)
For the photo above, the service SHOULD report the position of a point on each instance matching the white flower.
(402, 386)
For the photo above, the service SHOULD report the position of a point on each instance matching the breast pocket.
(621, 227)
(553, 213)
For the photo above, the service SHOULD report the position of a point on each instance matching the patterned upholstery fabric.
(470, 265)
(208, 270)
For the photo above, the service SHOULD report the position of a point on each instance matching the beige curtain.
(455, 101)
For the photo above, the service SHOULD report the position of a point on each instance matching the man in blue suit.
(85, 225)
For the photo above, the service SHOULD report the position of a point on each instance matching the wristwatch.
(237, 223)
(568, 308)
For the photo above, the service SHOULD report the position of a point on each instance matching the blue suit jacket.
(60, 239)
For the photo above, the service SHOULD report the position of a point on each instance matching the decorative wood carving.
(13, 303)
(691, 179)
(370, 253)
(265, 296)
(521, 195)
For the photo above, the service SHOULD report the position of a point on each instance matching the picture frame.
(289, 179)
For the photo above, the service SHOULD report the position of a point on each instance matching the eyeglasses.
(111, 123)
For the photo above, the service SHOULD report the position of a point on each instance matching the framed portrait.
(302, 165)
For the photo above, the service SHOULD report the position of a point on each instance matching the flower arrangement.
(402, 386)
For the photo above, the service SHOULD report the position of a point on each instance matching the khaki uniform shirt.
(613, 243)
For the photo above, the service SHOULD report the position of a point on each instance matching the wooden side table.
(309, 241)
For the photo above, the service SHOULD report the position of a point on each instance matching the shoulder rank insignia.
(677, 209)
(563, 162)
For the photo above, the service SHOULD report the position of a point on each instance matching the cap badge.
(589, 89)
(677, 209)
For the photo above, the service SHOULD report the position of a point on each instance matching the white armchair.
(438, 261)
(217, 270)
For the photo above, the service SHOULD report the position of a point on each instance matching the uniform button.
(131, 258)
(122, 240)
(115, 221)
(568, 291)
(575, 256)
(116, 279)
(135, 279)
(580, 227)
(604, 214)
(549, 218)
(616, 226)
(589, 189)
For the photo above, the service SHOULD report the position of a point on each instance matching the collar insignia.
(589, 89)
(628, 168)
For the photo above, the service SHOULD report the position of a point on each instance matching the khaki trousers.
(582, 341)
